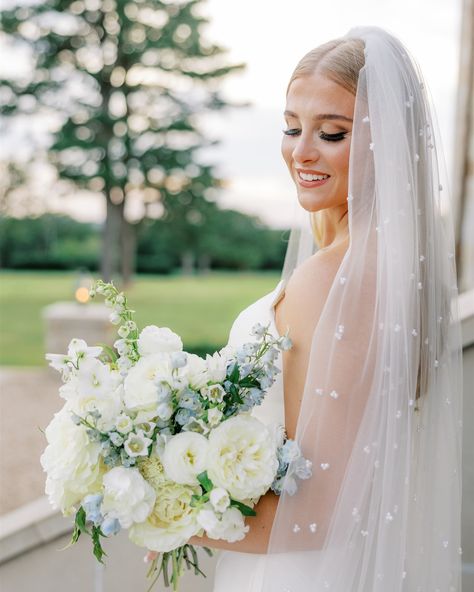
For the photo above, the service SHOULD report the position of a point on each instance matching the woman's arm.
(256, 539)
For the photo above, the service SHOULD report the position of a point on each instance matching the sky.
(271, 37)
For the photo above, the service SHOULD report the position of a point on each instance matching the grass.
(201, 309)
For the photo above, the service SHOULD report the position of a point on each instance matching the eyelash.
(322, 135)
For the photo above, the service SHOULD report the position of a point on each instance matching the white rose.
(127, 496)
(242, 457)
(185, 457)
(173, 520)
(71, 461)
(219, 499)
(153, 340)
(141, 390)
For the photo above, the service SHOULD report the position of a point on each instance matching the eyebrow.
(321, 116)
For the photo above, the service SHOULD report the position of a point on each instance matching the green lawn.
(200, 309)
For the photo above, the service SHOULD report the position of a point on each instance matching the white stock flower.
(230, 526)
(195, 371)
(219, 499)
(242, 457)
(71, 461)
(141, 391)
(61, 363)
(153, 340)
(137, 444)
(78, 350)
(217, 365)
(185, 457)
(127, 496)
(95, 379)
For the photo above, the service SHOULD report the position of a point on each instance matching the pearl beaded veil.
(380, 417)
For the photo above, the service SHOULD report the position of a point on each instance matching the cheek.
(286, 150)
(340, 159)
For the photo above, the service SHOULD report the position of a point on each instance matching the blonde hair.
(340, 60)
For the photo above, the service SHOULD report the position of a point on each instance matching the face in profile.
(316, 140)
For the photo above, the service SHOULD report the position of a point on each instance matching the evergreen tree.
(129, 79)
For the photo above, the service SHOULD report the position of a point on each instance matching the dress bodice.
(272, 408)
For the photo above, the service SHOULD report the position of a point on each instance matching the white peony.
(242, 457)
(141, 389)
(185, 457)
(71, 461)
(127, 496)
(153, 340)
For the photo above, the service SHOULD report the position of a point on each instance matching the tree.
(129, 79)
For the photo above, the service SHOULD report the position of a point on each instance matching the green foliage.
(127, 79)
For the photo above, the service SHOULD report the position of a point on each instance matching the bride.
(371, 388)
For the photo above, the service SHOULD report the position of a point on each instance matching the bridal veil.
(381, 412)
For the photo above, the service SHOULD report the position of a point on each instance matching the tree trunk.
(128, 248)
(187, 263)
(111, 251)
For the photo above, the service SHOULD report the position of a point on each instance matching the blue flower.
(91, 504)
(183, 416)
(110, 526)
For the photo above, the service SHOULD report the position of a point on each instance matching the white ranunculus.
(219, 499)
(242, 457)
(71, 461)
(141, 391)
(185, 457)
(153, 340)
(127, 496)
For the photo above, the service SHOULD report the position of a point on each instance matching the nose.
(305, 149)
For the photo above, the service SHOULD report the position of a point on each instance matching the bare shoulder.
(310, 283)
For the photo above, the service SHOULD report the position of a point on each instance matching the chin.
(311, 203)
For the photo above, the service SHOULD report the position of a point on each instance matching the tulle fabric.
(380, 417)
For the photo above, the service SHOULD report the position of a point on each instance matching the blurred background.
(140, 142)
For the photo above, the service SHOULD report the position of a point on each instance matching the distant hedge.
(229, 240)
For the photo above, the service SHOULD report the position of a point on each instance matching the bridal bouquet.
(162, 442)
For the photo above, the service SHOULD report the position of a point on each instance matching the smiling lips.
(311, 178)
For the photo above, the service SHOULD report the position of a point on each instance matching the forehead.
(310, 95)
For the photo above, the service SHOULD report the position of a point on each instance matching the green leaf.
(205, 481)
(246, 510)
(109, 351)
(234, 377)
(98, 550)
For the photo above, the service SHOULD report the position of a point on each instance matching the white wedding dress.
(243, 572)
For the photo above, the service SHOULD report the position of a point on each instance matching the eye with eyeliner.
(322, 135)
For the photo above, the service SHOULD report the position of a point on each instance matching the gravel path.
(28, 399)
